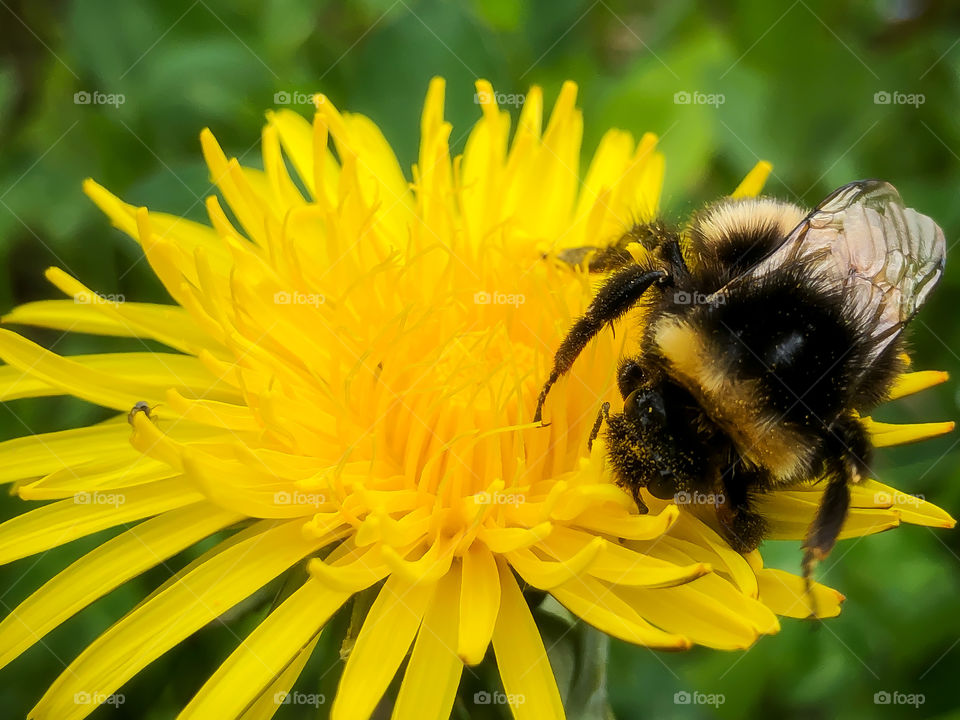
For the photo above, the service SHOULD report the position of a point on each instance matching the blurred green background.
(799, 84)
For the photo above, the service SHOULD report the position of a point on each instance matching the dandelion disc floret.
(353, 359)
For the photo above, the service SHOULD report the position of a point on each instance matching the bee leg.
(849, 449)
(823, 532)
(618, 294)
(742, 527)
(641, 505)
(604, 414)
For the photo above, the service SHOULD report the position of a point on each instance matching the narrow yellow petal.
(72, 377)
(786, 595)
(179, 610)
(596, 603)
(752, 184)
(433, 673)
(87, 513)
(527, 676)
(789, 514)
(618, 564)
(157, 372)
(296, 136)
(278, 692)
(104, 568)
(886, 434)
(709, 611)
(103, 474)
(34, 456)
(913, 509)
(68, 315)
(354, 572)
(545, 574)
(914, 382)
(503, 540)
(386, 635)
(168, 324)
(479, 603)
(265, 652)
(619, 522)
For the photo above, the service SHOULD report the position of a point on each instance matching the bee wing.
(884, 257)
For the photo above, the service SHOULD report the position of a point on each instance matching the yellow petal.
(352, 572)
(914, 382)
(913, 509)
(278, 692)
(709, 611)
(479, 604)
(885, 434)
(104, 474)
(752, 184)
(104, 568)
(789, 514)
(265, 652)
(388, 630)
(34, 456)
(619, 522)
(87, 513)
(596, 602)
(72, 377)
(618, 564)
(527, 676)
(545, 574)
(177, 611)
(786, 595)
(167, 324)
(161, 371)
(433, 673)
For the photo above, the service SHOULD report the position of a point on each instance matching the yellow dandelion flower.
(353, 363)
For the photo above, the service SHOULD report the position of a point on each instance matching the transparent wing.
(885, 257)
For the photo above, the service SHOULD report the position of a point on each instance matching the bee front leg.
(604, 414)
(619, 293)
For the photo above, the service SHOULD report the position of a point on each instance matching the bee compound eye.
(663, 487)
(645, 406)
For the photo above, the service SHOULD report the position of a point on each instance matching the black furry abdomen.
(794, 340)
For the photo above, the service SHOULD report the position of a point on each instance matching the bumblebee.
(768, 332)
